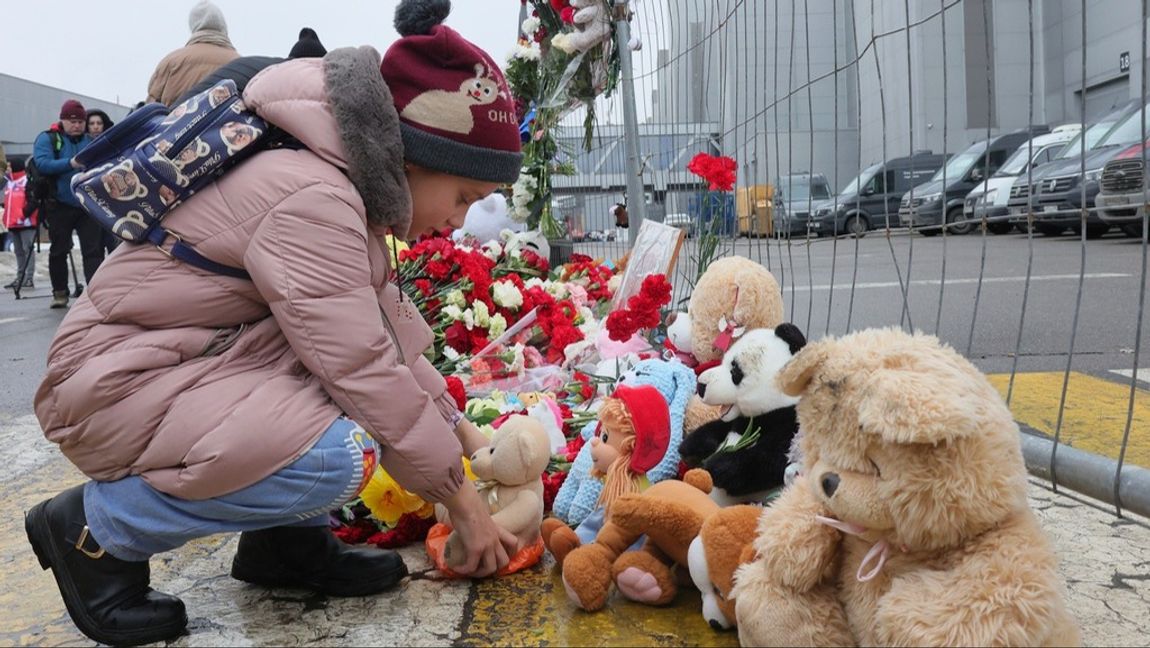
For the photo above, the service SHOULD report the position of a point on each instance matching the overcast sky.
(109, 48)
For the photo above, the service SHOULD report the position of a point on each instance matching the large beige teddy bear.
(909, 524)
(733, 296)
(510, 474)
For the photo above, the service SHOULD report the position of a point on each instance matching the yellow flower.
(388, 501)
(394, 246)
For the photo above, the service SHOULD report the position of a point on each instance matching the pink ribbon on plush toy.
(728, 333)
(879, 552)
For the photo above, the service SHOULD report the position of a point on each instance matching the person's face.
(440, 200)
(74, 127)
(95, 125)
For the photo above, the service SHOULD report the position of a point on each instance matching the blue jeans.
(133, 521)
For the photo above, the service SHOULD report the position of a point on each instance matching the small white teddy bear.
(593, 26)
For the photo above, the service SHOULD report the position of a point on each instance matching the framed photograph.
(655, 252)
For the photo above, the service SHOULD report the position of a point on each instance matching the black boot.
(313, 558)
(108, 599)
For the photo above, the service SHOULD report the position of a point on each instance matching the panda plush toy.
(746, 450)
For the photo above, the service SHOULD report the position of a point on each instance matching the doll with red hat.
(632, 437)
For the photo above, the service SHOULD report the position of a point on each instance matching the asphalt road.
(885, 268)
(817, 277)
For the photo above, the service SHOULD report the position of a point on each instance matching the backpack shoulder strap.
(56, 140)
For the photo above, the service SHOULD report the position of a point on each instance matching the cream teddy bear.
(510, 473)
(734, 295)
(909, 524)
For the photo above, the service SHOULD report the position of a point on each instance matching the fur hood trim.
(369, 129)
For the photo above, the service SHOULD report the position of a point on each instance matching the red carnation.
(458, 392)
(567, 15)
(571, 450)
(719, 171)
(621, 326)
(551, 484)
(408, 530)
(458, 337)
(356, 532)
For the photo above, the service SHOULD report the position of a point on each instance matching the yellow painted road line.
(1095, 416)
(531, 609)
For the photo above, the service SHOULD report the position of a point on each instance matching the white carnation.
(455, 298)
(453, 312)
(522, 195)
(614, 282)
(557, 289)
(531, 25)
(497, 326)
(507, 295)
(482, 315)
(492, 250)
(529, 52)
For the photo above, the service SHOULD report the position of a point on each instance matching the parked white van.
(990, 198)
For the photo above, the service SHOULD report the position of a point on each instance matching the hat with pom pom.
(456, 112)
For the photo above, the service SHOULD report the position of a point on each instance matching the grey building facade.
(27, 108)
(963, 71)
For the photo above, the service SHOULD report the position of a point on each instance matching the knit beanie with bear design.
(456, 111)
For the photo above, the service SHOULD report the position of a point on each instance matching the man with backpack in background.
(50, 184)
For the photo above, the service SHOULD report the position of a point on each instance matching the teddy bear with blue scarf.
(576, 503)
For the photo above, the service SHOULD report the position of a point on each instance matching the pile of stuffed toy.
(863, 489)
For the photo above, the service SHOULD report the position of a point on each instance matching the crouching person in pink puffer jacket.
(199, 403)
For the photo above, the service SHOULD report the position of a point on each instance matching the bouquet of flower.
(502, 319)
(643, 310)
(564, 58)
(498, 310)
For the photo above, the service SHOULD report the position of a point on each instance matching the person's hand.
(487, 547)
(75, 165)
(470, 437)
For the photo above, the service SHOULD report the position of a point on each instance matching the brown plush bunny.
(671, 514)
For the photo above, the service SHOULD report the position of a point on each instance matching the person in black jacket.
(99, 123)
(242, 69)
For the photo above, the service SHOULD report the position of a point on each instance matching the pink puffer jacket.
(205, 384)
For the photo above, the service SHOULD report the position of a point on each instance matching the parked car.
(991, 196)
(683, 221)
(871, 200)
(1086, 142)
(795, 195)
(1122, 198)
(1068, 188)
(938, 203)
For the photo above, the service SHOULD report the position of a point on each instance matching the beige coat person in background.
(207, 49)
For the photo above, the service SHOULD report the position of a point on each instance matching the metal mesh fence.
(973, 169)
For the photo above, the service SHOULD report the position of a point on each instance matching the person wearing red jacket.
(21, 226)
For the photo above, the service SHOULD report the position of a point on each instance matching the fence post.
(1090, 474)
(636, 201)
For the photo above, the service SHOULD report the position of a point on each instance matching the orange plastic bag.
(436, 544)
